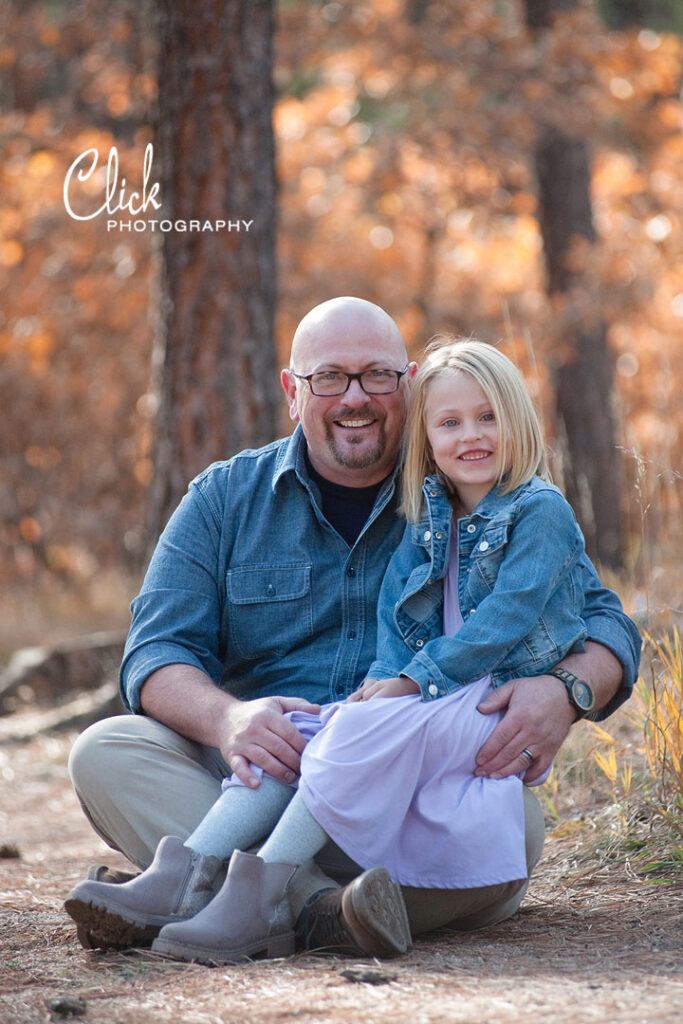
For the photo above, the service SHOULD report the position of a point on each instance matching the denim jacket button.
(471, 528)
(439, 536)
(484, 546)
(433, 689)
(428, 535)
(419, 643)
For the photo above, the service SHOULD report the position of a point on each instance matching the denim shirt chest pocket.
(268, 608)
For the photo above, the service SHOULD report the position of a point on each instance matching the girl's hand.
(398, 686)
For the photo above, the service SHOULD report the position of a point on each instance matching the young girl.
(486, 585)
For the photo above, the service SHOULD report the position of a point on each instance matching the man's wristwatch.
(581, 696)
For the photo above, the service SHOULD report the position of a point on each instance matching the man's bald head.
(348, 317)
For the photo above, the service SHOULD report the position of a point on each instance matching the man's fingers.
(286, 736)
(271, 764)
(496, 700)
(241, 769)
(278, 747)
(501, 742)
(298, 704)
(540, 765)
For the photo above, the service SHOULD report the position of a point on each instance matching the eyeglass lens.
(374, 382)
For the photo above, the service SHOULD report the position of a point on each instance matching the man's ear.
(288, 381)
(411, 371)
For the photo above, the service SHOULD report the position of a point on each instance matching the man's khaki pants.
(137, 781)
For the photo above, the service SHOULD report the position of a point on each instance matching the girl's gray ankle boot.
(249, 916)
(177, 884)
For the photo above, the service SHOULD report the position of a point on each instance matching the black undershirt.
(346, 508)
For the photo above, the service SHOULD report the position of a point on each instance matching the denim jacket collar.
(435, 488)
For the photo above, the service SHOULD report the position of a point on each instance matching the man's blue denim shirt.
(527, 591)
(251, 584)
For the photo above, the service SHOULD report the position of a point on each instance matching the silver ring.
(527, 753)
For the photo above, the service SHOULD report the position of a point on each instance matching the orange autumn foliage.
(404, 156)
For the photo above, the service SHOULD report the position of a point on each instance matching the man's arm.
(538, 714)
(188, 701)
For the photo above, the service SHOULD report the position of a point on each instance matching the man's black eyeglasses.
(326, 383)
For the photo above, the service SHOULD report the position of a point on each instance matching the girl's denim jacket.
(525, 587)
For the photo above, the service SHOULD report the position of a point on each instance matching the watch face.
(582, 695)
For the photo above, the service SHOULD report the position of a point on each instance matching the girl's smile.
(463, 435)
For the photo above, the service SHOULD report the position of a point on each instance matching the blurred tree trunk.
(660, 15)
(215, 161)
(416, 10)
(584, 379)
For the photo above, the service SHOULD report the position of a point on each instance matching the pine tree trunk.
(584, 379)
(215, 148)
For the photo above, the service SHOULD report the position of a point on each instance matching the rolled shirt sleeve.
(176, 615)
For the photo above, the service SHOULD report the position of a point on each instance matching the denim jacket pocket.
(489, 552)
(268, 608)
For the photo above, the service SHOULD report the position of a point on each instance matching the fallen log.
(42, 677)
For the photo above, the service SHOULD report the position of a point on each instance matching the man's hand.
(397, 686)
(187, 700)
(256, 731)
(537, 718)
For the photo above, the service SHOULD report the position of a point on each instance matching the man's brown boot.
(368, 917)
(176, 885)
(250, 916)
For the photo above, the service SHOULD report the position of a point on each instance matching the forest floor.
(593, 941)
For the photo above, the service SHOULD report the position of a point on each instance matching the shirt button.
(433, 494)
(439, 536)
(270, 590)
(471, 528)
(427, 535)
(419, 643)
(351, 571)
(433, 689)
(484, 546)
(472, 611)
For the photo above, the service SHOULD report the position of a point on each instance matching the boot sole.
(100, 928)
(376, 915)
(277, 946)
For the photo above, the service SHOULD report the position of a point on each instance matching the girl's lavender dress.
(391, 781)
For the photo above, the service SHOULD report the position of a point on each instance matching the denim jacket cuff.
(380, 671)
(601, 631)
(429, 677)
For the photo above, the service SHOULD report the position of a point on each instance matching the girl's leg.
(296, 838)
(239, 818)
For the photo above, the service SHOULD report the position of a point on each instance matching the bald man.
(261, 599)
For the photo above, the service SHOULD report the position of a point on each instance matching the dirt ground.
(592, 942)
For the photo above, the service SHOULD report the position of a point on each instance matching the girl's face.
(463, 434)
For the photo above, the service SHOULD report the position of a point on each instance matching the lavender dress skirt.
(392, 783)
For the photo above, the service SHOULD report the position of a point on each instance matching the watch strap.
(569, 680)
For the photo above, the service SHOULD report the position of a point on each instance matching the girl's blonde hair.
(521, 452)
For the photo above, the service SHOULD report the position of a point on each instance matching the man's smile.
(366, 422)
